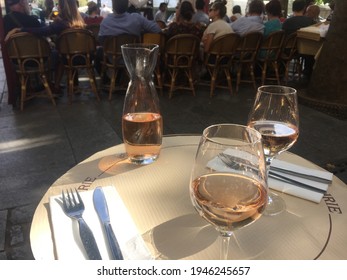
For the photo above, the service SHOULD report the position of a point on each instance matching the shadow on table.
(180, 237)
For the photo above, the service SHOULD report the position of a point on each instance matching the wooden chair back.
(181, 50)
(112, 48)
(29, 52)
(113, 60)
(94, 28)
(271, 46)
(289, 49)
(248, 46)
(30, 55)
(222, 49)
(77, 48)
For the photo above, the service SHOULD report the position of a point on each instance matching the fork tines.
(72, 202)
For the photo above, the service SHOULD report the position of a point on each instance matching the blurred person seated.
(218, 27)
(253, 22)
(200, 16)
(184, 24)
(236, 13)
(160, 15)
(93, 14)
(68, 17)
(19, 16)
(332, 7)
(122, 22)
(313, 12)
(298, 20)
(273, 11)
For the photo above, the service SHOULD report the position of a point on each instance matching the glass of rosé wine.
(275, 115)
(228, 185)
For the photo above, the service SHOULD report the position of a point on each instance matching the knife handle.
(88, 241)
(113, 243)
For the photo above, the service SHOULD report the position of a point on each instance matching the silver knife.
(100, 205)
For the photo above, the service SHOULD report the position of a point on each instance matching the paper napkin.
(288, 188)
(66, 232)
(298, 191)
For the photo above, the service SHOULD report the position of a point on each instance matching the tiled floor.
(41, 143)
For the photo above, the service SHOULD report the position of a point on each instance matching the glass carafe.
(142, 124)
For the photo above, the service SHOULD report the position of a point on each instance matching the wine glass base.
(275, 205)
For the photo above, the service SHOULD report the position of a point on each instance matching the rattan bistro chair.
(289, 57)
(268, 58)
(113, 61)
(181, 53)
(30, 55)
(77, 49)
(246, 54)
(220, 58)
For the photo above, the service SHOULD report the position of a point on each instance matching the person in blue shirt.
(251, 23)
(119, 23)
(122, 22)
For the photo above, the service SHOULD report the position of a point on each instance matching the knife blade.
(100, 205)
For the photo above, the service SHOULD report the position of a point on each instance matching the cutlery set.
(73, 207)
(281, 174)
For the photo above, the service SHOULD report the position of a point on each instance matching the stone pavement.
(41, 143)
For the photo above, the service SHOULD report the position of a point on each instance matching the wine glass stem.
(225, 240)
(268, 161)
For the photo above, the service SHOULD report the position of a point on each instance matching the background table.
(157, 197)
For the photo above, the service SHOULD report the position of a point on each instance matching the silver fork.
(74, 209)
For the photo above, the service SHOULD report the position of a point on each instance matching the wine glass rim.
(277, 89)
(253, 131)
(140, 46)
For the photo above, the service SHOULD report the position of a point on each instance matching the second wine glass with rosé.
(275, 115)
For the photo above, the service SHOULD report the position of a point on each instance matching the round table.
(157, 198)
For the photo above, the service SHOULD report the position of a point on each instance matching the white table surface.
(157, 197)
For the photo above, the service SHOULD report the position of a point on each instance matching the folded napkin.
(292, 189)
(289, 188)
(66, 232)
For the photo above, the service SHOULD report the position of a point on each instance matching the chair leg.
(228, 76)
(263, 73)
(92, 82)
(213, 81)
(48, 88)
(275, 66)
(70, 84)
(173, 81)
(23, 91)
(191, 80)
(238, 79)
(159, 79)
(251, 70)
(112, 84)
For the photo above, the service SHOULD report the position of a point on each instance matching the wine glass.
(275, 115)
(228, 186)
